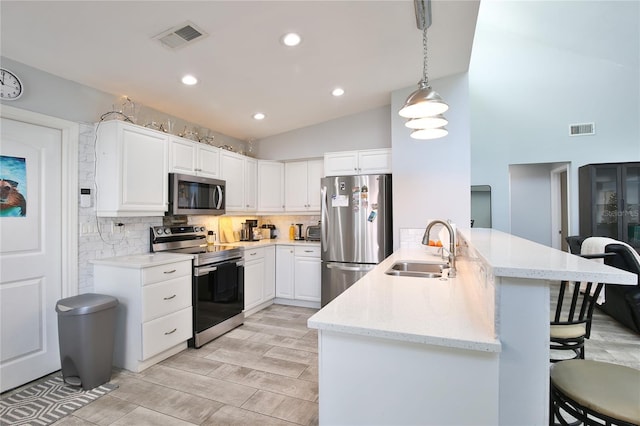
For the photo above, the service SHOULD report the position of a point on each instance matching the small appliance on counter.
(269, 231)
(313, 233)
(250, 231)
(298, 232)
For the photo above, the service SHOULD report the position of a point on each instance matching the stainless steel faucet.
(452, 243)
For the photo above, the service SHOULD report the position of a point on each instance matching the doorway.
(38, 240)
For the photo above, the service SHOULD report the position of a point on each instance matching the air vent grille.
(582, 129)
(180, 35)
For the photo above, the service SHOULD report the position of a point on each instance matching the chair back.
(575, 305)
(575, 243)
(624, 259)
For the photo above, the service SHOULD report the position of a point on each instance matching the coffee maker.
(252, 227)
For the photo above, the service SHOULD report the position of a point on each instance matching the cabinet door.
(208, 161)
(270, 186)
(269, 289)
(606, 181)
(253, 283)
(232, 171)
(631, 204)
(307, 278)
(295, 188)
(374, 161)
(341, 163)
(284, 271)
(315, 172)
(251, 184)
(144, 170)
(182, 155)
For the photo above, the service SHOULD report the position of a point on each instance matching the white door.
(38, 240)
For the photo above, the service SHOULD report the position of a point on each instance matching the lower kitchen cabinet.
(298, 270)
(154, 314)
(259, 278)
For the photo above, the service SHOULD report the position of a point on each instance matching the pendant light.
(424, 107)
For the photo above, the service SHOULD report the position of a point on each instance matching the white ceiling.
(370, 48)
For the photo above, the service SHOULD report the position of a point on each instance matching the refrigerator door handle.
(359, 268)
(324, 216)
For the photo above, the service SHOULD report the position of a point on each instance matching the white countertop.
(144, 260)
(275, 241)
(454, 312)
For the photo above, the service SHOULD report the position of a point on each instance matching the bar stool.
(594, 393)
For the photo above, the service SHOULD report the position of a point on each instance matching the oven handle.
(198, 272)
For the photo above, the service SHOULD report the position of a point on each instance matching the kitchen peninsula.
(467, 350)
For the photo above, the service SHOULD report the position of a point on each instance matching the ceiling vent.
(180, 35)
(582, 129)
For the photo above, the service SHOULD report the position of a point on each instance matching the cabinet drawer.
(165, 332)
(168, 271)
(253, 254)
(308, 251)
(165, 297)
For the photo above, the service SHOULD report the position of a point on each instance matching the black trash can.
(86, 330)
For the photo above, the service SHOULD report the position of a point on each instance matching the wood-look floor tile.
(105, 410)
(258, 362)
(286, 342)
(283, 407)
(230, 372)
(310, 374)
(277, 331)
(294, 324)
(244, 346)
(295, 355)
(232, 416)
(184, 406)
(199, 365)
(239, 333)
(195, 384)
(144, 417)
(302, 389)
(71, 420)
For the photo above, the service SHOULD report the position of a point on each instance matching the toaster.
(313, 233)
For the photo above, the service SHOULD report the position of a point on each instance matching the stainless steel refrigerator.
(356, 230)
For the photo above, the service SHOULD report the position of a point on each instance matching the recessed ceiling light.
(189, 80)
(338, 91)
(259, 116)
(291, 39)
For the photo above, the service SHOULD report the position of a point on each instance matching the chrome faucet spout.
(452, 243)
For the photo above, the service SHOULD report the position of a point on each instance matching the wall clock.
(10, 85)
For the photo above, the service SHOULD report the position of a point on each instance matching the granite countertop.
(457, 312)
(144, 260)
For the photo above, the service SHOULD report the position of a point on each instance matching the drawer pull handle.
(252, 254)
(170, 297)
(170, 272)
(171, 332)
(308, 251)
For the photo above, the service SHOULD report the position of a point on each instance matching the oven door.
(218, 293)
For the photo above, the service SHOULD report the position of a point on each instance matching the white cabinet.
(302, 185)
(131, 170)
(240, 174)
(154, 315)
(298, 278)
(307, 274)
(193, 158)
(285, 264)
(253, 277)
(269, 289)
(270, 186)
(365, 162)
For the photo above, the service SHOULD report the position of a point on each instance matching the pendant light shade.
(424, 102)
(424, 107)
(427, 122)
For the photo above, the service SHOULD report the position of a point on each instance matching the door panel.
(337, 277)
(30, 253)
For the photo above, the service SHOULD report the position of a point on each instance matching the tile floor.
(262, 373)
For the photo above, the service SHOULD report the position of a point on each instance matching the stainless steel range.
(218, 279)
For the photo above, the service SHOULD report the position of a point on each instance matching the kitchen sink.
(416, 269)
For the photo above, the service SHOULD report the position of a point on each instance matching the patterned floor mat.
(46, 402)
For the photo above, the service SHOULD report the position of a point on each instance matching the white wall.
(525, 93)
(431, 178)
(531, 201)
(366, 130)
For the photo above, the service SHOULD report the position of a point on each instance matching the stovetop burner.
(190, 240)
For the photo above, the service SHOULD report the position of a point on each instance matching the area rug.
(46, 402)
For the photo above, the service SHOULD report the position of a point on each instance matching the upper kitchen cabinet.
(365, 162)
(610, 201)
(270, 186)
(131, 170)
(193, 158)
(241, 175)
(302, 186)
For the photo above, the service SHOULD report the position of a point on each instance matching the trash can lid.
(85, 304)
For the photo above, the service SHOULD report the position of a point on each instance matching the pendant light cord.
(425, 75)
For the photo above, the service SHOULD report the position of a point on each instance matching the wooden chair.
(571, 323)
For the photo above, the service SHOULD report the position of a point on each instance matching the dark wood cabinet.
(610, 201)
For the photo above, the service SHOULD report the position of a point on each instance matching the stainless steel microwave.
(195, 195)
